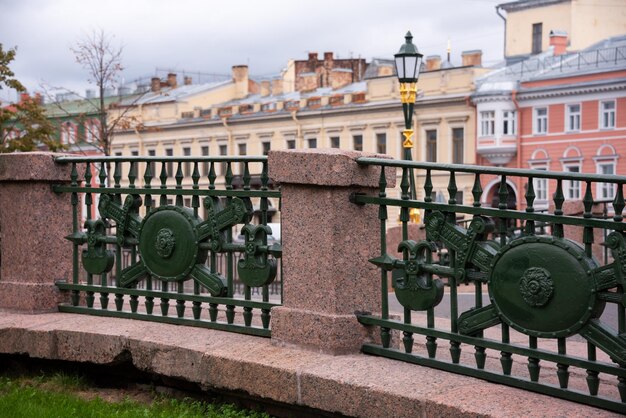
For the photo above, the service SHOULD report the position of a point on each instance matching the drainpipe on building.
(299, 138)
(519, 147)
(504, 19)
(229, 133)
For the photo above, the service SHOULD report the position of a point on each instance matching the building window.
(187, 164)
(312, 142)
(541, 120)
(431, 145)
(134, 153)
(537, 34)
(205, 164)
(607, 114)
(243, 150)
(152, 153)
(541, 189)
(358, 142)
(487, 123)
(381, 143)
(291, 144)
(266, 147)
(224, 165)
(334, 142)
(508, 122)
(573, 117)
(170, 164)
(606, 190)
(457, 145)
(572, 187)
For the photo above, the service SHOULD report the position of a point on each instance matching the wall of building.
(519, 26)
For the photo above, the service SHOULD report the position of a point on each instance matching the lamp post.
(408, 61)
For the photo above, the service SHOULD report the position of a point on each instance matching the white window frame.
(605, 190)
(611, 113)
(487, 122)
(572, 188)
(540, 122)
(509, 118)
(573, 120)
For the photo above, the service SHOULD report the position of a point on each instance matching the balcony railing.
(533, 309)
(160, 238)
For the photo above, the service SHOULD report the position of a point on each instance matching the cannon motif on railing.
(542, 286)
(173, 243)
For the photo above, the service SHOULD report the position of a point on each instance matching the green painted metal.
(546, 287)
(139, 249)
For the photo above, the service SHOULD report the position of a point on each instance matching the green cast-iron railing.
(541, 312)
(163, 235)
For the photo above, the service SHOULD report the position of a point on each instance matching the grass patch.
(68, 395)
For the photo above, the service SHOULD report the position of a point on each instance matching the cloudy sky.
(210, 36)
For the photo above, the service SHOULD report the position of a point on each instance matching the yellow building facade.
(243, 117)
(586, 22)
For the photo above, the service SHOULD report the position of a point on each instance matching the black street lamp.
(408, 61)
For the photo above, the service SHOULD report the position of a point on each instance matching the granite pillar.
(33, 223)
(327, 242)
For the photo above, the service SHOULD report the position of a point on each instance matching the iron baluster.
(530, 200)
(163, 178)
(431, 341)
(455, 346)
(480, 354)
(557, 228)
(196, 306)
(230, 309)
(533, 362)
(385, 334)
(74, 202)
(179, 183)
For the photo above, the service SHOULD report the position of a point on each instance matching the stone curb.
(353, 385)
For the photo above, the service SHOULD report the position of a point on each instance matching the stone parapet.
(327, 242)
(33, 223)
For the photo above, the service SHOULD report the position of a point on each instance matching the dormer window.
(358, 97)
(292, 105)
(314, 102)
(268, 107)
(225, 111)
(247, 108)
(336, 100)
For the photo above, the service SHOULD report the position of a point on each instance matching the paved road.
(466, 301)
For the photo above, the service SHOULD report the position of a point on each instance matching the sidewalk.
(352, 385)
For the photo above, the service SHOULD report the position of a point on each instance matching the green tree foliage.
(23, 126)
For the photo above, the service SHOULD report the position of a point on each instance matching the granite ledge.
(326, 167)
(33, 166)
(353, 385)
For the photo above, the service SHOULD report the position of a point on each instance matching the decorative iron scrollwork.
(171, 239)
(542, 286)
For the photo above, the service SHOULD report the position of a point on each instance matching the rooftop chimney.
(155, 84)
(312, 56)
(328, 56)
(265, 88)
(433, 62)
(558, 39)
(472, 58)
(240, 77)
(171, 80)
(277, 86)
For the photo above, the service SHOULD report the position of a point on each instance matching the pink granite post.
(33, 222)
(327, 242)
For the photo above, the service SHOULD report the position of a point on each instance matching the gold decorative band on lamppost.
(408, 138)
(408, 92)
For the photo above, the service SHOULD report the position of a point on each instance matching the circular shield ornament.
(544, 287)
(168, 243)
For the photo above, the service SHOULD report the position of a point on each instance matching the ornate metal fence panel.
(507, 296)
(169, 240)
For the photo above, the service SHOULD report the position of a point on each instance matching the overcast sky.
(211, 36)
